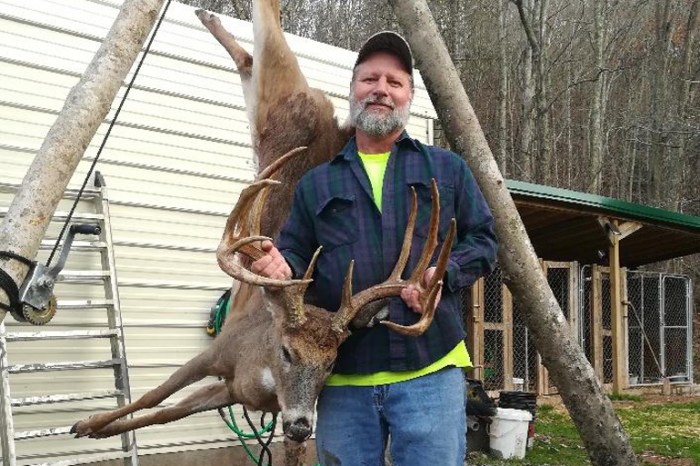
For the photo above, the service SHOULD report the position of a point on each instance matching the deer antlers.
(392, 286)
(242, 231)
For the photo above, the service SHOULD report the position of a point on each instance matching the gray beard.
(377, 124)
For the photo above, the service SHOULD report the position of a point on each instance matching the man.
(356, 206)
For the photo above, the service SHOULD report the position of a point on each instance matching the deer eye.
(286, 355)
(330, 366)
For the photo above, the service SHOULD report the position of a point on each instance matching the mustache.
(386, 101)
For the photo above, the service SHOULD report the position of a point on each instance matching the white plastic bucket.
(508, 433)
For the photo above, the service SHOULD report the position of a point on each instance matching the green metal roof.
(613, 206)
(564, 225)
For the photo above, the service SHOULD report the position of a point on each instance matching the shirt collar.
(349, 152)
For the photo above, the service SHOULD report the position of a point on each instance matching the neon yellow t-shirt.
(375, 167)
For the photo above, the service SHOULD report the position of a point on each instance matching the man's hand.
(411, 295)
(272, 265)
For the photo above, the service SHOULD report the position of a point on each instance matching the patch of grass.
(670, 430)
(625, 397)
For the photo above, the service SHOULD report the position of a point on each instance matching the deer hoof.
(80, 429)
(205, 17)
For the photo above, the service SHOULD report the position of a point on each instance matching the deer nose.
(299, 430)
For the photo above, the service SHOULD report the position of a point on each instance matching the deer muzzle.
(299, 430)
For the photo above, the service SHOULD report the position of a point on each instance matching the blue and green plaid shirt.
(333, 208)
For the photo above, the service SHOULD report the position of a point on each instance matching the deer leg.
(196, 369)
(294, 452)
(276, 72)
(212, 396)
(242, 59)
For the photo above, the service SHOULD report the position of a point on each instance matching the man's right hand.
(272, 264)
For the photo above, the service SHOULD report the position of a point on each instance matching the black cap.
(390, 42)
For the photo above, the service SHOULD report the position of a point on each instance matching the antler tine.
(393, 285)
(350, 305)
(233, 229)
(294, 295)
(271, 169)
(269, 172)
(407, 238)
(431, 241)
(236, 237)
(433, 289)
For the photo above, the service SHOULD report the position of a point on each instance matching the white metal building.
(174, 164)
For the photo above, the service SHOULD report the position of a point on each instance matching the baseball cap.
(387, 41)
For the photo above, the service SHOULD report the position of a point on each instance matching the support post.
(475, 325)
(507, 319)
(597, 322)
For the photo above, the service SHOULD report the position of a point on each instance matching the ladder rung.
(69, 193)
(82, 275)
(77, 216)
(78, 245)
(29, 434)
(62, 366)
(88, 459)
(85, 303)
(65, 397)
(61, 335)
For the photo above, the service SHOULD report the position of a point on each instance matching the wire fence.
(660, 327)
(658, 339)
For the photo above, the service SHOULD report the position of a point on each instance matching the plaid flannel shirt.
(333, 207)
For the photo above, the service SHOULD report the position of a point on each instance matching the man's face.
(380, 95)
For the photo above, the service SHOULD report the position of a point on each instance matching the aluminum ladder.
(108, 330)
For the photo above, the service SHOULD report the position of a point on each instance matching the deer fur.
(267, 359)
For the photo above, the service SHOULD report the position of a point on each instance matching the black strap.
(8, 285)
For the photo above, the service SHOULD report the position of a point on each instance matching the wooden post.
(475, 329)
(574, 300)
(616, 310)
(625, 328)
(597, 322)
(507, 319)
(616, 232)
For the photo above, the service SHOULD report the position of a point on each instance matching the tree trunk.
(683, 95)
(659, 104)
(595, 125)
(85, 108)
(589, 406)
(543, 158)
(502, 86)
(527, 116)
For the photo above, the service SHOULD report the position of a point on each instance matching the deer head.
(306, 338)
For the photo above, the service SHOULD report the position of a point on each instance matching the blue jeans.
(425, 417)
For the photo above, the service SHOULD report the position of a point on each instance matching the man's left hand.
(412, 295)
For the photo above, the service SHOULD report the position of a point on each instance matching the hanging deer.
(275, 352)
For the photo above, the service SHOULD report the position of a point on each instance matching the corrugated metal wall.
(174, 165)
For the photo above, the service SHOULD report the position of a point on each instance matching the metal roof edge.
(614, 206)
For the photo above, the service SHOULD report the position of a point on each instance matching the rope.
(109, 131)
